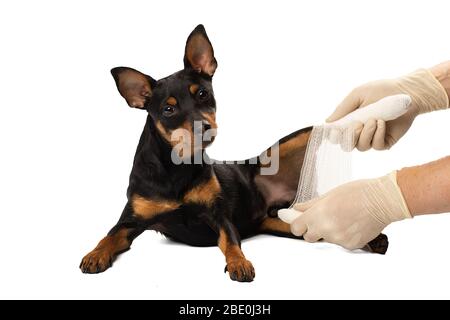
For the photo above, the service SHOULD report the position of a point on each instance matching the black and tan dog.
(200, 204)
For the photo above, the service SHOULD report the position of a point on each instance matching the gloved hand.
(427, 95)
(352, 214)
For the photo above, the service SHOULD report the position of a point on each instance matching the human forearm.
(442, 73)
(426, 188)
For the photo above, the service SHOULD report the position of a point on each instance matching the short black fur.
(198, 204)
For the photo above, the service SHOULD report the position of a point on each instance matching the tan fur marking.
(288, 148)
(223, 241)
(171, 101)
(193, 88)
(114, 243)
(238, 267)
(231, 251)
(100, 259)
(149, 208)
(205, 193)
(275, 224)
(293, 144)
(166, 134)
(234, 253)
(211, 118)
(187, 125)
(180, 138)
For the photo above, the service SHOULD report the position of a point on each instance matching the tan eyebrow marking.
(193, 88)
(171, 101)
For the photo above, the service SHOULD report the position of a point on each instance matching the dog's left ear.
(199, 53)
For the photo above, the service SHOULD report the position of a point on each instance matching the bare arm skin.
(442, 74)
(426, 188)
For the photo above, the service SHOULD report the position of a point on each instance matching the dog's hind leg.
(279, 189)
(276, 227)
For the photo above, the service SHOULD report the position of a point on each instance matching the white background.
(68, 139)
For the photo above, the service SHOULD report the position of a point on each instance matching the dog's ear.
(199, 53)
(133, 85)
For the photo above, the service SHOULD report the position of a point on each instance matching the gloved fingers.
(390, 141)
(395, 129)
(354, 242)
(359, 241)
(311, 236)
(351, 246)
(379, 138)
(343, 239)
(299, 226)
(357, 128)
(349, 104)
(288, 215)
(338, 135)
(303, 206)
(365, 139)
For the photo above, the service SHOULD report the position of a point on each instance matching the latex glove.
(427, 95)
(352, 214)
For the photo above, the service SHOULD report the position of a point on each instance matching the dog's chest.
(203, 194)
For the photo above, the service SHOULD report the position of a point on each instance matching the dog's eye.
(203, 94)
(168, 110)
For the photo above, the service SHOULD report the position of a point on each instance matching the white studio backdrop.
(68, 139)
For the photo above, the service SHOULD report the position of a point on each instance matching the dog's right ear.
(199, 52)
(133, 85)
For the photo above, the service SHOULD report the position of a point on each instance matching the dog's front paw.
(96, 261)
(240, 270)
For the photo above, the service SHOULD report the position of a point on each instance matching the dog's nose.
(206, 125)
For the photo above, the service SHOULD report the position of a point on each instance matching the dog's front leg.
(118, 240)
(238, 267)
